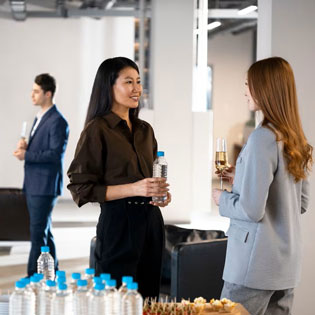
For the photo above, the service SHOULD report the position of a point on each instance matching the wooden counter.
(238, 310)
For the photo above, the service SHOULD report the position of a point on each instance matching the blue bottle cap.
(40, 276)
(62, 286)
(82, 283)
(99, 287)
(61, 279)
(132, 286)
(44, 249)
(160, 153)
(126, 279)
(105, 276)
(76, 276)
(35, 279)
(20, 284)
(25, 280)
(50, 283)
(90, 271)
(60, 273)
(111, 283)
(97, 280)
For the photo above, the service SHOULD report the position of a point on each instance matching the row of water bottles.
(39, 295)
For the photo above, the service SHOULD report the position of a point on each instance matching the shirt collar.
(113, 120)
(41, 113)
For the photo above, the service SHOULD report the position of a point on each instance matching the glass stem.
(221, 182)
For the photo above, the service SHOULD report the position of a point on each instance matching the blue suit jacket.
(44, 155)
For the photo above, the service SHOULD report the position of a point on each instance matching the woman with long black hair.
(113, 166)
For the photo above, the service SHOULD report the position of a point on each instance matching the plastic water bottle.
(112, 298)
(132, 301)
(74, 281)
(29, 302)
(160, 170)
(61, 274)
(123, 288)
(16, 302)
(96, 281)
(61, 280)
(89, 275)
(35, 287)
(29, 297)
(46, 264)
(97, 300)
(46, 297)
(124, 281)
(62, 302)
(81, 298)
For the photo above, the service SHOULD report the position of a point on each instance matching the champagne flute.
(23, 131)
(221, 161)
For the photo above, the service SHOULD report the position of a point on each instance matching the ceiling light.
(247, 10)
(213, 25)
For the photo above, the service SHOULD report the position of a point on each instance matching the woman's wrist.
(132, 189)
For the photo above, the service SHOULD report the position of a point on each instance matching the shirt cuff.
(222, 204)
(99, 193)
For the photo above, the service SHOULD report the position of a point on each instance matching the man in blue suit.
(43, 157)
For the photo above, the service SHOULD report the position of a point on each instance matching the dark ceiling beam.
(230, 4)
(18, 9)
(235, 27)
(61, 8)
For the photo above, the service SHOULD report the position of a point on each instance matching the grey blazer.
(265, 206)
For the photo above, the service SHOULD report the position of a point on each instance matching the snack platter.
(198, 307)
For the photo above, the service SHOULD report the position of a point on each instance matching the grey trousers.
(260, 302)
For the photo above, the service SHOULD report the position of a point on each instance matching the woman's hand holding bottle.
(153, 187)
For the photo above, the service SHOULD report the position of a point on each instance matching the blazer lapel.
(44, 118)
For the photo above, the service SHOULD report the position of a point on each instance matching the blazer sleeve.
(58, 138)
(261, 159)
(86, 172)
(305, 195)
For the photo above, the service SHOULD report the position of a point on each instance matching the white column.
(264, 29)
(171, 74)
(292, 37)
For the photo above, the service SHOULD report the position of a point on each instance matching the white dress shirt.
(39, 117)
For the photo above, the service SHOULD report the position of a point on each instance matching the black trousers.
(130, 242)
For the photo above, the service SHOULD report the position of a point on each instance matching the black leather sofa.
(192, 264)
(14, 217)
(197, 269)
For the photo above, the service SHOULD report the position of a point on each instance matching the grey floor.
(73, 229)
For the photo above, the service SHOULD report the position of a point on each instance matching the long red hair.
(272, 86)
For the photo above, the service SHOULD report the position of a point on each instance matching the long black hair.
(101, 100)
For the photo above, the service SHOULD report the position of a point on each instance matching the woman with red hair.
(270, 192)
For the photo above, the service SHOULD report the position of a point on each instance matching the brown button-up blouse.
(108, 153)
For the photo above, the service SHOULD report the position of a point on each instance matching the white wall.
(230, 56)
(70, 50)
(292, 37)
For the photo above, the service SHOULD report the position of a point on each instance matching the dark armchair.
(192, 264)
(14, 217)
(197, 269)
